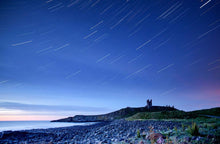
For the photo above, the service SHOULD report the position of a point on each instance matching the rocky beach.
(118, 131)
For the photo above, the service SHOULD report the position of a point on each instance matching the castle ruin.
(149, 103)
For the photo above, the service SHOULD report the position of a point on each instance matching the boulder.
(156, 136)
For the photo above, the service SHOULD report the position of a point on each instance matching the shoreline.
(31, 125)
(118, 131)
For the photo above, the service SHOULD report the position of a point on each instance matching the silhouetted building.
(149, 103)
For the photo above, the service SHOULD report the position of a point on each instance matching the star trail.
(108, 54)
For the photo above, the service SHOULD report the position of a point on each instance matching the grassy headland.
(197, 126)
(176, 114)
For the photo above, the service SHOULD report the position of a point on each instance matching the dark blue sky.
(109, 54)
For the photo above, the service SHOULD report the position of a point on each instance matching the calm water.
(26, 125)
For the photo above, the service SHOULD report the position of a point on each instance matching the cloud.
(52, 108)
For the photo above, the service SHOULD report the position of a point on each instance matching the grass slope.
(212, 111)
(177, 114)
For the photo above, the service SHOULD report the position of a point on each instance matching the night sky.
(61, 58)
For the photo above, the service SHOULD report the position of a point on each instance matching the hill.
(176, 114)
(212, 111)
(122, 113)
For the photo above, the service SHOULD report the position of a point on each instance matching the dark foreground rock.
(117, 131)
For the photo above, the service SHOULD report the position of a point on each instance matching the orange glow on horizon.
(28, 117)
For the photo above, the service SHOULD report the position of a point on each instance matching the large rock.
(157, 137)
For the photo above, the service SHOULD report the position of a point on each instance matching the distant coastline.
(28, 125)
(122, 113)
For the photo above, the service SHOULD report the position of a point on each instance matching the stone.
(160, 140)
(155, 136)
(188, 139)
(183, 143)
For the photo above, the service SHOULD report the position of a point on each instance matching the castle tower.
(149, 103)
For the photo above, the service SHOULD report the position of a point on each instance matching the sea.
(28, 125)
